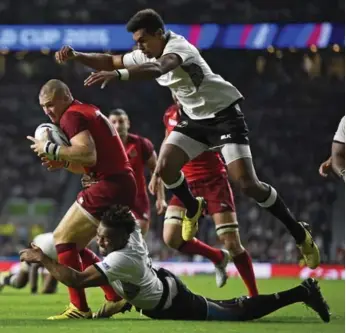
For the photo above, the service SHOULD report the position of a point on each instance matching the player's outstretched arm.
(91, 277)
(98, 61)
(338, 159)
(145, 71)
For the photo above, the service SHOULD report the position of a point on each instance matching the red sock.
(89, 258)
(244, 266)
(195, 246)
(68, 255)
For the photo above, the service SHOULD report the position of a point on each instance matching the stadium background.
(286, 57)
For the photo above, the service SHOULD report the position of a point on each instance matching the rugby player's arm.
(100, 61)
(153, 70)
(82, 150)
(33, 277)
(151, 164)
(338, 159)
(90, 277)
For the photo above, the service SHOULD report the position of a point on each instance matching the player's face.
(53, 107)
(108, 240)
(151, 45)
(120, 123)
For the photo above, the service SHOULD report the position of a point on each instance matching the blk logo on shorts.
(226, 136)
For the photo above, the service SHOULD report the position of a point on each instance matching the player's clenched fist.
(64, 54)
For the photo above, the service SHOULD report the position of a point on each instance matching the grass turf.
(21, 312)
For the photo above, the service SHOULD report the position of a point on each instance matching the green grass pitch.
(21, 312)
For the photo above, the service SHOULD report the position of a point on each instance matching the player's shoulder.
(176, 39)
(80, 107)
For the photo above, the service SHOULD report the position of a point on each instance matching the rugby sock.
(195, 246)
(89, 258)
(181, 190)
(244, 266)
(68, 255)
(275, 205)
(259, 306)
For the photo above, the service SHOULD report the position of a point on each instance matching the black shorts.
(228, 126)
(185, 305)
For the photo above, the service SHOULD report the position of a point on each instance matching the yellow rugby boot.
(72, 312)
(190, 225)
(309, 249)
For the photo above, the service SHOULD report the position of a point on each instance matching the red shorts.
(141, 207)
(99, 197)
(216, 191)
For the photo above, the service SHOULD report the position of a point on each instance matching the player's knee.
(250, 186)
(229, 234)
(172, 228)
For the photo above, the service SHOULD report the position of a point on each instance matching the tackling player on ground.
(159, 293)
(211, 117)
(140, 152)
(207, 177)
(96, 150)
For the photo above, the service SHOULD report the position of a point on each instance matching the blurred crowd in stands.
(294, 101)
(182, 11)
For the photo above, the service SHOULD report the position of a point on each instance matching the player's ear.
(128, 123)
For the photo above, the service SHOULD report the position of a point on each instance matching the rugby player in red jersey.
(96, 149)
(207, 177)
(141, 154)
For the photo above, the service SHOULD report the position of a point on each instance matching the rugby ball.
(55, 134)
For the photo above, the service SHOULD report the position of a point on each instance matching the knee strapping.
(226, 228)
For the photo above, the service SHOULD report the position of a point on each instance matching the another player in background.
(211, 118)
(207, 177)
(141, 154)
(21, 274)
(336, 162)
(159, 294)
(96, 150)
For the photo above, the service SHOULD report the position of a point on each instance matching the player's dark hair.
(118, 112)
(147, 19)
(119, 218)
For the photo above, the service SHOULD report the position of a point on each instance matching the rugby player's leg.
(249, 308)
(241, 170)
(74, 232)
(227, 230)
(173, 238)
(89, 258)
(175, 153)
(144, 225)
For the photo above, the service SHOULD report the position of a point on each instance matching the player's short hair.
(118, 112)
(119, 217)
(147, 19)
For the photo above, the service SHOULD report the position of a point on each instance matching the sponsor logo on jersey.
(80, 200)
(105, 265)
(132, 153)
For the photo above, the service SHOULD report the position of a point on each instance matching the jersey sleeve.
(180, 48)
(114, 266)
(74, 123)
(340, 133)
(147, 149)
(135, 57)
